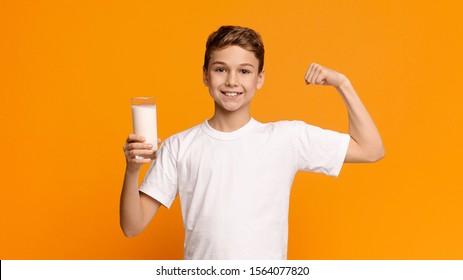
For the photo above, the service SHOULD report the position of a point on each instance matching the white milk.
(144, 123)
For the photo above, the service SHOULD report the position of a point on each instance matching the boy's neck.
(229, 121)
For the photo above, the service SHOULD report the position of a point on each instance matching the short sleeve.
(160, 181)
(320, 150)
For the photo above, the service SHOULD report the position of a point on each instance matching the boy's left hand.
(320, 75)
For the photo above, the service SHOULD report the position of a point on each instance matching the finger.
(135, 138)
(313, 72)
(316, 74)
(309, 73)
(152, 156)
(139, 146)
(130, 154)
(146, 160)
(321, 77)
(140, 160)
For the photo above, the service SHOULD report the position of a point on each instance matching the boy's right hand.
(137, 152)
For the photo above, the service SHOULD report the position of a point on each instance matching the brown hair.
(235, 36)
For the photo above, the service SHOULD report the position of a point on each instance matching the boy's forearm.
(131, 214)
(362, 128)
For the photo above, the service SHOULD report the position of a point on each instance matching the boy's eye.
(245, 71)
(219, 69)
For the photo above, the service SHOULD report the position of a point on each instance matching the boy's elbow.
(129, 232)
(377, 154)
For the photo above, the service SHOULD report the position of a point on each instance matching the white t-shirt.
(234, 187)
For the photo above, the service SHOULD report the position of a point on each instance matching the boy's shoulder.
(294, 128)
(182, 138)
(185, 134)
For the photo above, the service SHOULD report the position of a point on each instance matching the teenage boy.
(234, 174)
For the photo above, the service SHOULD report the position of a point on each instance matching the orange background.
(68, 69)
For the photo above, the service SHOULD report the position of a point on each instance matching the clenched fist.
(320, 75)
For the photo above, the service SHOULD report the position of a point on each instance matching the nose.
(232, 80)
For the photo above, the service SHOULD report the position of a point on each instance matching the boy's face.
(232, 77)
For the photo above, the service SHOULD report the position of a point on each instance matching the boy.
(233, 174)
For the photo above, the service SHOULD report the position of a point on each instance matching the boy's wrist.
(132, 171)
(345, 86)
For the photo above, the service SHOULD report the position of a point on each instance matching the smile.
(231, 94)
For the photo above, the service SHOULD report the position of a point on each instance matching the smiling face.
(232, 77)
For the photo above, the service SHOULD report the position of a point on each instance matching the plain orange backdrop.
(69, 68)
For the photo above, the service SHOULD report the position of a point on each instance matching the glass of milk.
(144, 119)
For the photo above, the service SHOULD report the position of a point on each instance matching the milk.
(144, 123)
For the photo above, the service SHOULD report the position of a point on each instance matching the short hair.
(229, 35)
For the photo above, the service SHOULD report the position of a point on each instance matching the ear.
(205, 77)
(260, 79)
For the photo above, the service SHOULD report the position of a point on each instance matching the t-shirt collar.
(228, 135)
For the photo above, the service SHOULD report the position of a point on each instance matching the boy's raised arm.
(136, 209)
(366, 144)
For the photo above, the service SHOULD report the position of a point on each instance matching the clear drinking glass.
(144, 119)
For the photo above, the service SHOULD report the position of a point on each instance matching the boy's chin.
(230, 108)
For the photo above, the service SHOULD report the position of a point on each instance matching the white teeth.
(231, 94)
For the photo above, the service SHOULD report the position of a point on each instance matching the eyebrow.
(223, 63)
